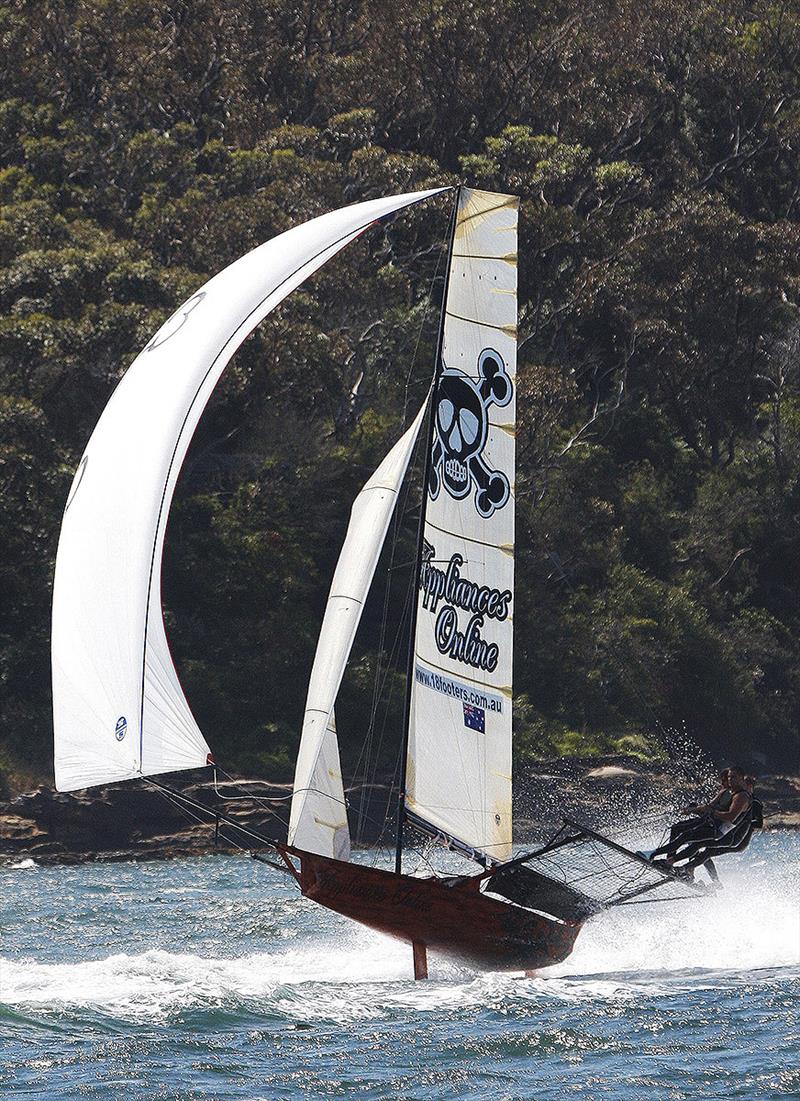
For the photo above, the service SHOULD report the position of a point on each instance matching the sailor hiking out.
(734, 840)
(723, 825)
(683, 831)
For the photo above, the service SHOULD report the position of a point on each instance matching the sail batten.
(118, 707)
(459, 744)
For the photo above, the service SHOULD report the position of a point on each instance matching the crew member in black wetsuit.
(721, 801)
(713, 827)
(734, 841)
(684, 831)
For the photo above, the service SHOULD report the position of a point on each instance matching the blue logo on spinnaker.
(121, 727)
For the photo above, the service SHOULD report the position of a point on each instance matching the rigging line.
(213, 814)
(184, 803)
(437, 370)
(191, 817)
(399, 510)
(391, 664)
(381, 674)
(426, 312)
(422, 853)
(440, 836)
(652, 901)
(262, 799)
(365, 753)
(283, 798)
(366, 748)
(389, 816)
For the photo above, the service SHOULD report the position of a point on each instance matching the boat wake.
(751, 923)
(342, 973)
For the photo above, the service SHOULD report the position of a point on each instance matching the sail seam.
(466, 538)
(508, 329)
(503, 690)
(512, 200)
(508, 257)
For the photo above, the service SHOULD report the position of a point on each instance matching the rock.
(17, 832)
(780, 821)
(611, 772)
(135, 821)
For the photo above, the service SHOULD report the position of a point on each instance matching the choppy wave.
(346, 973)
(752, 923)
(212, 977)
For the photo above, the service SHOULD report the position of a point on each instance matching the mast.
(437, 370)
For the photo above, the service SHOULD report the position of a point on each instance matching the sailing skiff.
(120, 712)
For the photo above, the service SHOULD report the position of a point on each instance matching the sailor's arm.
(703, 808)
(738, 804)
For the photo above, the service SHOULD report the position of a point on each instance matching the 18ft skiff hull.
(451, 915)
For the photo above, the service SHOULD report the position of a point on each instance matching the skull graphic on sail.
(461, 430)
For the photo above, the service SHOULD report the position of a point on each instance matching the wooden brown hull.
(450, 916)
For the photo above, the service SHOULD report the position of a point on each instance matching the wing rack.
(580, 872)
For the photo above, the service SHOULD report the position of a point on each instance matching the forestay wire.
(368, 761)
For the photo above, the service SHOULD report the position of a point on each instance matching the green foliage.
(654, 148)
(538, 737)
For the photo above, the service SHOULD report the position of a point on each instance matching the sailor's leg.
(691, 842)
(701, 844)
(717, 848)
(711, 868)
(679, 834)
(694, 857)
(680, 827)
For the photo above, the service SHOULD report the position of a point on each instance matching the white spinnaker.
(459, 756)
(118, 707)
(318, 821)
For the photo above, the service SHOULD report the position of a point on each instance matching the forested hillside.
(654, 145)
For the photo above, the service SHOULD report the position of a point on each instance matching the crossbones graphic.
(460, 432)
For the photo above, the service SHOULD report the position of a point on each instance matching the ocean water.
(212, 978)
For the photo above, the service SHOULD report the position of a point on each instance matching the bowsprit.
(461, 431)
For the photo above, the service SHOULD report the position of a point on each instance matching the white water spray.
(334, 970)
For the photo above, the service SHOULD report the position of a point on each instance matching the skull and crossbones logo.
(460, 433)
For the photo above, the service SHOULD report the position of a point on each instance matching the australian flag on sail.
(475, 718)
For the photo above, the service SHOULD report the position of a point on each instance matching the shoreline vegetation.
(654, 147)
(135, 822)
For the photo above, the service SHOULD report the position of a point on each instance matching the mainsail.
(459, 750)
(318, 821)
(118, 707)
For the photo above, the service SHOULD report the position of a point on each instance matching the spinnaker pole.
(437, 370)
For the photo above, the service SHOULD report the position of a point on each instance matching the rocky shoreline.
(137, 822)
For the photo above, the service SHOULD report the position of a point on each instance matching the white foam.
(336, 970)
(157, 983)
(752, 923)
